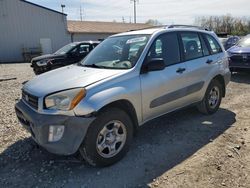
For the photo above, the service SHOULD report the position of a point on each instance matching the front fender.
(96, 101)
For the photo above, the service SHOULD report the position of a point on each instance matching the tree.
(153, 22)
(225, 24)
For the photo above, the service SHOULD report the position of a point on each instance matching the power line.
(134, 1)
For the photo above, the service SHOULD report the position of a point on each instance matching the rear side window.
(166, 47)
(192, 46)
(213, 44)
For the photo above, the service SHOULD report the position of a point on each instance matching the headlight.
(65, 100)
(229, 54)
(42, 63)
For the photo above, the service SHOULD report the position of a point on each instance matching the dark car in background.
(223, 41)
(239, 55)
(69, 54)
(231, 41)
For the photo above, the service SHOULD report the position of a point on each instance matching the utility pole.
(63, 6)
(81, 13)
(134, 1)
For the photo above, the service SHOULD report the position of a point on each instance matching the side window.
(192, 46)
(214, 45)
(167, 48)
(84, 48)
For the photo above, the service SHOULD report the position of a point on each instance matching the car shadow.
(159, 145)
(241, 77)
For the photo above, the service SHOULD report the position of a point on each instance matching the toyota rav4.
(96, 106)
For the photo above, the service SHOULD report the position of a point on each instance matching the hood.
(238, 49)
(68, 77)
(48, 56)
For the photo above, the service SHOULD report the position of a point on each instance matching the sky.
(165, 11)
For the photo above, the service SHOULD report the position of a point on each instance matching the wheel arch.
(221, 80)
(126, 106)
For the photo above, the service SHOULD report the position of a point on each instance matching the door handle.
(209, 61)
(180, 70)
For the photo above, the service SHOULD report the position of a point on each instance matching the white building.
(94, 30)
(27, 27)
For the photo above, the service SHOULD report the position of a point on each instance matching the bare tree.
(225, 24)
(153, 22)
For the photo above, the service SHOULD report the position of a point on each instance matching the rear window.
(213, 44)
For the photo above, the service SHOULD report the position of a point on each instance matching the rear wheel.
(108, 138)
(212, 99)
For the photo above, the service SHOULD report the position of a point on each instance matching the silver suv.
(96, 106)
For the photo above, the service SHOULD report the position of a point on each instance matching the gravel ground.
(182, 149)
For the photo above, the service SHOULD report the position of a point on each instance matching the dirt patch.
(181, 149)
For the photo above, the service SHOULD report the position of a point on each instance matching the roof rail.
(187, 26)
(173, 26)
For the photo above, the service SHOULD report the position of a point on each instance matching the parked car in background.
(223, 41)
(96, 105)
(239, 55)
(69, 54)
(231, 41)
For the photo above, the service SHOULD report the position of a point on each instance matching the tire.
(36, 72)
(110, 125)
(210, 105)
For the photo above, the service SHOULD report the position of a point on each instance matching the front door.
(164, 90)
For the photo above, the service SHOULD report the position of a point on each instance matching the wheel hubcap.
(111, 139)
(214, 96)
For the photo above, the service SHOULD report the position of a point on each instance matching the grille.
(240, 59)
(30, 99)
(21, 118)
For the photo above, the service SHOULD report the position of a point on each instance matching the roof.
(140, 32)
(152, 30)
(103, 27)
(43, 7)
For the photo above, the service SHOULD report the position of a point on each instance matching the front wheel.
(108, 138)
(212, 99)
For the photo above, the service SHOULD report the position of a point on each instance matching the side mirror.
(154, 64)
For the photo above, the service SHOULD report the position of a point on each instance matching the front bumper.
(38, 125)
(40, 69)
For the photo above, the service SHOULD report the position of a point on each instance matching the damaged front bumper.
(72, 129)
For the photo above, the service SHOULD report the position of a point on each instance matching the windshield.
(65, 49)
(244, 42)
(120, 52)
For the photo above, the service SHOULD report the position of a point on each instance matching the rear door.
(201, 60)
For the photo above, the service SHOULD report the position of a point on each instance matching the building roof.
(43, 7)
(103, 27)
